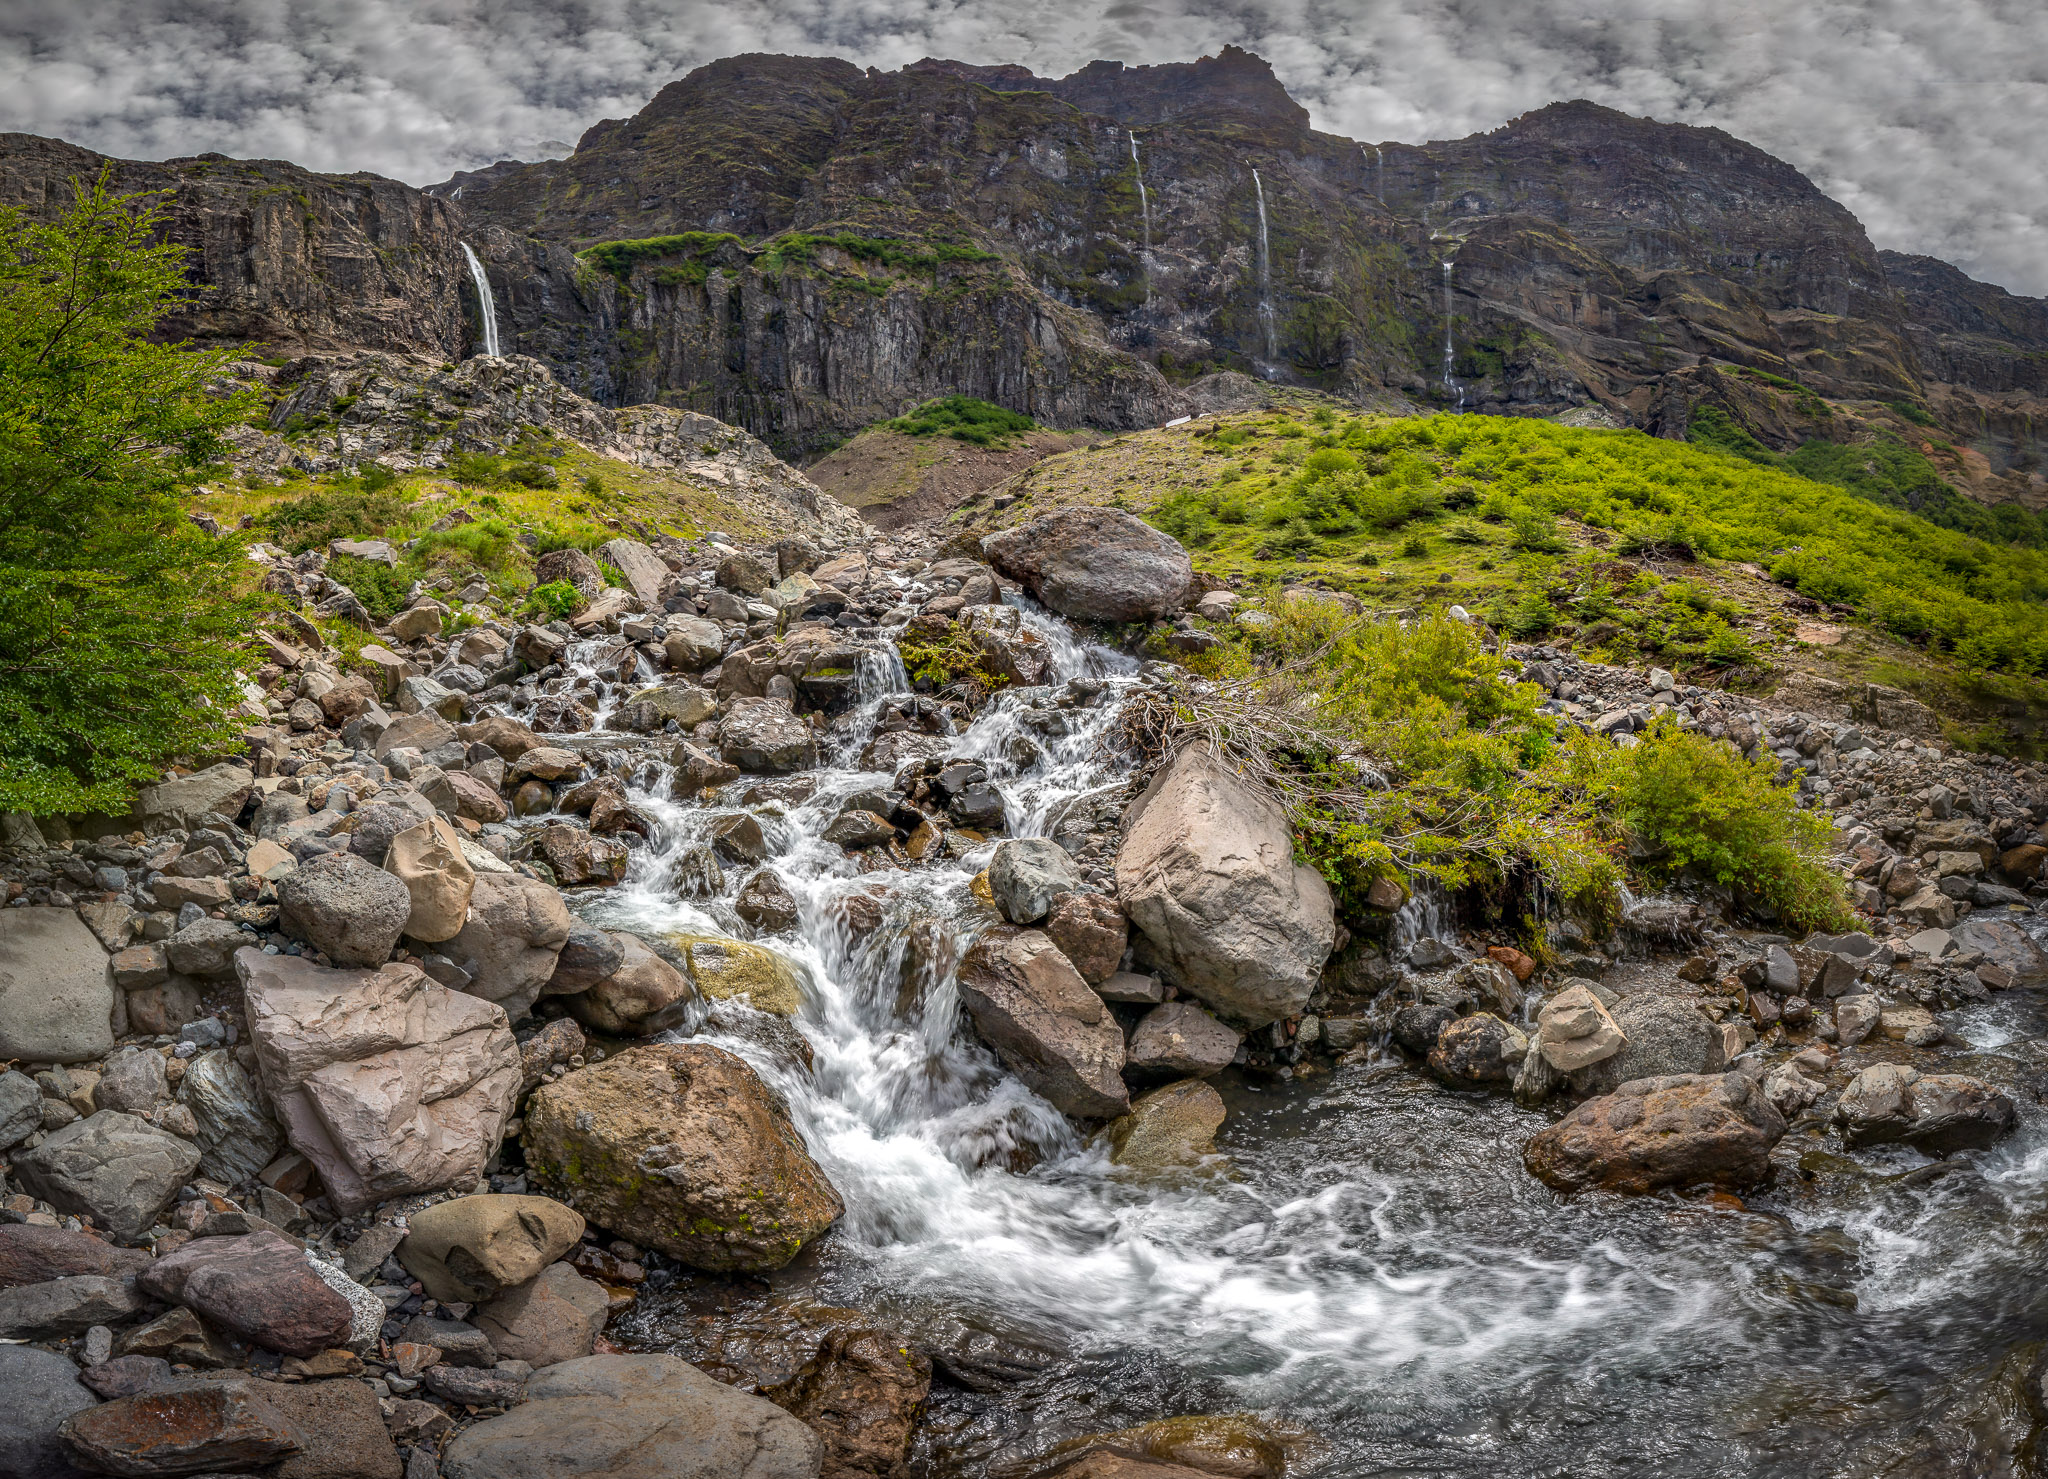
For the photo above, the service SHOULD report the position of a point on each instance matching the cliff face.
(281, 257)
(802, 247)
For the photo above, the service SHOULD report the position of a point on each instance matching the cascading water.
(1265, 274)
(1451, 385)
(1144, 214)
(1372, 1262)
(485, 302)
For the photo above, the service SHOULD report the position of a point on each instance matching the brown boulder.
(1091, 933)
(1031, 1006)
(1684, 1129)
(554, 1318)
(30, 1254)
(471, 1248)
(645, 995)
(258, 1286)
(185, 1430)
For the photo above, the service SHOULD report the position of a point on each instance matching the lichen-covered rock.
(1173, 1126)
(727, 970)
(1684, 1129)
(1207, 874)
(680, 1147)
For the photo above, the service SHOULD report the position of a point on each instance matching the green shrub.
(964, 419)
(558, 600)
(311, 520)
(381, 588)
(483, 545)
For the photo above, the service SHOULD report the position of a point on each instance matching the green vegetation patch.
(964, 419)
(619, 258)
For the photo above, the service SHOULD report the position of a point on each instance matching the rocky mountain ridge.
(802, 248)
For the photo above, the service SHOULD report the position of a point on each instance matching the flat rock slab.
(257, 1286)
(56, 990)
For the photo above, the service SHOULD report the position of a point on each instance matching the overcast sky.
(1927, 118)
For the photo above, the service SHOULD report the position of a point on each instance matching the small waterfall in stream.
(485, 302)
(1371, 1262)
(1145, 216)
(1265, 273)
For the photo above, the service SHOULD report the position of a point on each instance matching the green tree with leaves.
(119, 619)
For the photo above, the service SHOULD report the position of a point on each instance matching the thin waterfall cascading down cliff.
(1144, 215)
(1450, 380)
(487, 304)
(1265, 272)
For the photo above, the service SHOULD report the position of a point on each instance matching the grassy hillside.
(1627, 547)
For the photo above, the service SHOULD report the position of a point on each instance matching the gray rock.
(1026, 874)
(237, 1136)
(132, 1081)
(120, 1169)
(1666, 1035)
(1791, 1091)
(346, 907)
(693, 643)
(218, 791)
(38, 1390)
(1031, 1006)
(2004, 943)
(554, 1318)
(21, 1108)
(1856, 1017)
(67, 1306)
(1179, 1037)
(635, 1417)
(512, 941)
(763, 736)
(1097, 564)
(1939, 1113)
(1781, 971)
(206, 948)
(1207, 874)
(56, 990)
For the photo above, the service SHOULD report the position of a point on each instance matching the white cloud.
(1922, 119)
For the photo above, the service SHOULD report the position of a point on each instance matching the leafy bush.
(311, 520)
(964, 419)
(557, 600)
(382, 589)
(483, 545)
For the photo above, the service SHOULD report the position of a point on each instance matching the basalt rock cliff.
(801, 247)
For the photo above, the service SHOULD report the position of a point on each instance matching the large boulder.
(1574, 1031)
(218, 792)
(389, 1082)
(56, 991)
(472, 1248)
(1097, 564)
(1031, 1006)
(1179, 1037)
(1027, 874)
(642, 567)
(515, 932)
(346, 907)
(680, 1147)
(1207, 874)
(1685, 1129)
(1939, 1113)
(763, 736)
(258, 1286)
(643, 996)
(428, 860)
(1662, 1035)
(120, 1170)
(635, 1417)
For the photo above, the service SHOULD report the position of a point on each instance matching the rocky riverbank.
(347, 1112)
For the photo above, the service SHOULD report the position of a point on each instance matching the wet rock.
(587, 957)
(120, 1170)
(1031, 1006)
(763, 737)
(699, 770)
(67, 1306)
(555, 1317)
(1207, 873)
(187, 1429)
(578, 857)
(1575, 1031)
(892, 751)
(56, 991)
(472, 1248)
(258, 1287)
(1096, 564)
(1026, 875)
(1418, 1025)
(38, 1391)
(1235, 1444)
(635, 1417)
(553, 1045)
(31, 1254)
(1173, 1126)
(766, 903)
(1856, 1017)
(645, 995)
(1091, 932)
(2004, 944)
(696, 874)
(727, 970)
(681, 1148)
(1477, 1052)
(345, 907)
(1676, 1130)
(1665, 1035)
(236, 1135)
(1939, 1113)
(515, 932)
(1179, 1037)
(428, 860)
(777, 1037)
(406, 1091)
(1790, 1091)
(737, 837)
(858, 829)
